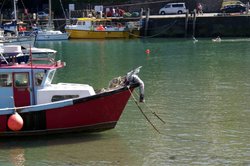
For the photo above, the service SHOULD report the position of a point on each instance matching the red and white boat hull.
(90, 114)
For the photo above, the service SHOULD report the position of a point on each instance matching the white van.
(173, 8)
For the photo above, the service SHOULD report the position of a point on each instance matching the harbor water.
(201, 90)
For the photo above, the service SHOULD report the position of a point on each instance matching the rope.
(164, 28)
(143, 112)
(63, 9)
(154, 113)
(28, 16)
(2, 6)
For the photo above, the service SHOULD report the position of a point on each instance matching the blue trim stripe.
(34, 108)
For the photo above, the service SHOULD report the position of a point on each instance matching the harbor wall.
(211, 26)
(181, 26)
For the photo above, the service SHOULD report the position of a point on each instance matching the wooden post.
(141, 13)
(146, 25)
(247, 8)
(141, 18)
(1, 19)
(50, 17)
(186, 23)
(194, 22)
(69, 14)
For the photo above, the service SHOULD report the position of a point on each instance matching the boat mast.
(49, 13)
(15, 16)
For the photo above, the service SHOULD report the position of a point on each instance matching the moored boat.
(48, 35)
(217, 39)
(13, 37)
(25, 41)
(19, 54)
(31, 105)
(102, 28)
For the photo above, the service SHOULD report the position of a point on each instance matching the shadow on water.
(48, 140)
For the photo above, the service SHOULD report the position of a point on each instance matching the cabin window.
(5, 80)
(63, 97)
(39, 78)
(21, 79)
(50, 77)
(81, 23)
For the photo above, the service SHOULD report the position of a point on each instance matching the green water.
(201, 90)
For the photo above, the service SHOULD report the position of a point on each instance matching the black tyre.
(179, 12)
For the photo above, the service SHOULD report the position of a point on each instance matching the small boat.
(13, 37)
(38, 52)
(103, 28)
(31, 105)
(50, 34)
(217, 39)
(22, 54)
(25, 41)
(12, 54)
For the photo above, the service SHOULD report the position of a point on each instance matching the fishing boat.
(102, 28)
(31, 105)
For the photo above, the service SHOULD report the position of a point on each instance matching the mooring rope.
(164, 28)
(154, 113)
(145, 116)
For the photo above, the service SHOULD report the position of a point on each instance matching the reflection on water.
(17, 156)
(201, 91)
(67, 149)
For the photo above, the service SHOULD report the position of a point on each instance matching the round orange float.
(147, 51)
(15, 122)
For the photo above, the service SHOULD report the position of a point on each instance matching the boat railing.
(13, 59)
(48, 60)
(2, 58)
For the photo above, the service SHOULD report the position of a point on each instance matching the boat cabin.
(29, 83)
(95, 24)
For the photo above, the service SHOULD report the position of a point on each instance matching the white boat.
(25, 41)
(15, 39)
(45, 35)
(38, 51)
(22, 54)
(49, 33)
(217, 39)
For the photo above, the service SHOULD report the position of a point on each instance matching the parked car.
(42, 14)
(173, 8)
(237, 8)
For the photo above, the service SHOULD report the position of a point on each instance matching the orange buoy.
(147, 51)
(15, 122)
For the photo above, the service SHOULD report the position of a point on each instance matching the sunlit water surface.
(201, 90)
